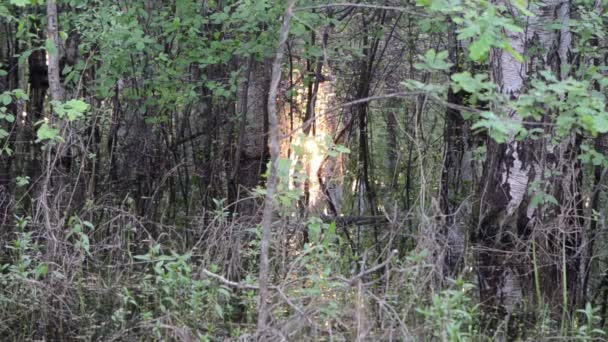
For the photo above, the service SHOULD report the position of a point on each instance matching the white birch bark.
(511, 74)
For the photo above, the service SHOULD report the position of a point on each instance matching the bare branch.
(363, 273)
(228, 282)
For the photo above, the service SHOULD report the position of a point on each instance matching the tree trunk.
(55, 86)
(234, 182)
(271, 186)
(457, 173)
(507, 225)
(8, 83)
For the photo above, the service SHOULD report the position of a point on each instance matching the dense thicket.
(303, 170)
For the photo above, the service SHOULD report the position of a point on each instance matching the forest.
(303, 170)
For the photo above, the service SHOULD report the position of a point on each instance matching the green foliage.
(22, 181)
(573, 104)
(540, 196)
(479, 87)
(47, 133)
(22, 3)
(500, 128)
(482, 23)
(588, 330)
(320, 232)
(589, 155)
(50, 47)
(433, 61)
(25, 253)
(7, 98)
(172, 289)
(452, 314)
(71, 110)
(431, 88)
(24, 269)
(78, 232)
(486, 28)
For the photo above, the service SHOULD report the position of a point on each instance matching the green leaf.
(537, 200)
(468, 32)
(46, 132)
(6, 99)
(342, 149)
(551, 199)
(20, 94)
(479, 50)
(10, 118)
(73, 109)
(22, 181)
(542, 198)
(434, 61)
(499, 128)
(219, 17)
(42, 270)
(20, 3)
(219, 310)
(77, 105)
(600, 123)
(513, 52)
(513, 28)
(4, 12)
(522, 6)
(145, 257)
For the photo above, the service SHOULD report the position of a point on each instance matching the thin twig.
(363, 273)
(229, 282)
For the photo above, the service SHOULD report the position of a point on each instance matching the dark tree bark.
(234, 182)
(508, 228)
(456, 177)
(8, 82)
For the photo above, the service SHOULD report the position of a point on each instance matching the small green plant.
(22, 181)
(24, 269)
(221, 212)
(172, 289)
(588, 331)
(451, 315)
(127, 301)
(77, 231)
(6, 99)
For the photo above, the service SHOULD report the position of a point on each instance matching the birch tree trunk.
(507, 225)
